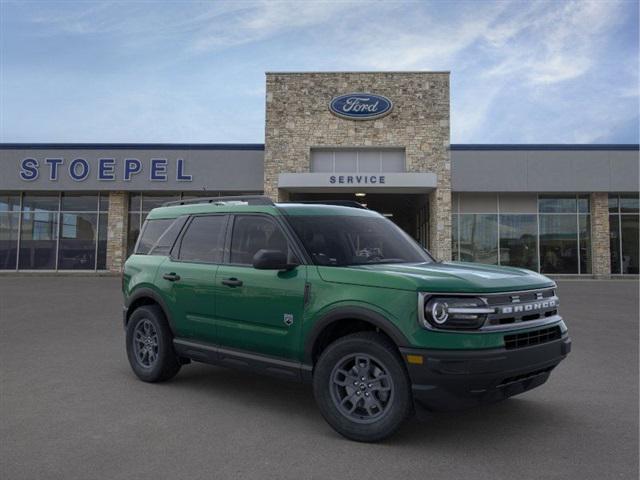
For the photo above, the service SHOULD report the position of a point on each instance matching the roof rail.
(248, 199)
(341, 203)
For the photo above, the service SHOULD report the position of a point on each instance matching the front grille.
(535, 337)
(522, 306)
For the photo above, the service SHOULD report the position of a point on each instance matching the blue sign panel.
(360, 106)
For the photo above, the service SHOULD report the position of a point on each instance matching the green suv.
(339, 297)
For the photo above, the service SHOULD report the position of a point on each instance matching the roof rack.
(248, 199)
(341, 203)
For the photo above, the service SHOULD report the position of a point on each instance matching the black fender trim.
(352, 313)
(148, 293)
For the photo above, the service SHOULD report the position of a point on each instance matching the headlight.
(455, 312)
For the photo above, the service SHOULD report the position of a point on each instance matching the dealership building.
(380, 138)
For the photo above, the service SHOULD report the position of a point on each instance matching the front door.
(259, 310)
(189, 276)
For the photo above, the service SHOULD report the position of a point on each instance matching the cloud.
(521, 71)
(254, 22)
(552, 42)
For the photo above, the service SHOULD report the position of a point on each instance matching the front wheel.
(150, 345)
(362, 388)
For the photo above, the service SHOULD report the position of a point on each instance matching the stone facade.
(600, 247)
(117, 230)
(298, 119)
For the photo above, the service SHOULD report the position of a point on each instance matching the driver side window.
(252, 233)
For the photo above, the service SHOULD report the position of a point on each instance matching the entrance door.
(259, 310)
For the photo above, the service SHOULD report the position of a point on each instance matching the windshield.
(341, 240)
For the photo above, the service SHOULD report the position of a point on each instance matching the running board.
(225, 357)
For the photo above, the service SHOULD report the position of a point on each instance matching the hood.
(451, 277)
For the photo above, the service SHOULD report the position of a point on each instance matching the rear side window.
(203, 240)
(167, 239)
(151, 232)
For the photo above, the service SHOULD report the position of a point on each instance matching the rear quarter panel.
(140, 271)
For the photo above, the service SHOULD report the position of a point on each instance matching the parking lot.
(72, 409)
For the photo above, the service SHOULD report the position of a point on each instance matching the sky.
(193, 72)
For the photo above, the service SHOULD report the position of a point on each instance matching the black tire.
(388, 402)
(150, 345)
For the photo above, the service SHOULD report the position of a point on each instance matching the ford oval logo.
(360, 106)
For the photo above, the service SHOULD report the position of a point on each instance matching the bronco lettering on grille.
(528, 307)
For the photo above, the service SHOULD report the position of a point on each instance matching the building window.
(549, 234)
(53, 231)
(623, 233)
(9, 230)
(82, 236)
(352, 160)
(519, 241)
(565, 238)
(478, 238)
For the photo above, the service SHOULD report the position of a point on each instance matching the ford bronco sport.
(339, 297)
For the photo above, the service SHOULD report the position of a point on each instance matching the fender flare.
(145, 292)
(352, 313)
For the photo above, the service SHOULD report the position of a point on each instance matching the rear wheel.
(150, 345)
(362, 388)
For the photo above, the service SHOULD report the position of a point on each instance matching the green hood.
(451, 277)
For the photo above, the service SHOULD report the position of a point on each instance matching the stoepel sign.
(360, 106)
(107, 169)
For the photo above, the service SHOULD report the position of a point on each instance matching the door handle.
(232, 282)
(172, 277)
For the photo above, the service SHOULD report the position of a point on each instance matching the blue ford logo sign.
(360, 106)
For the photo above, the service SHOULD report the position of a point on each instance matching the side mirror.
(271, 260)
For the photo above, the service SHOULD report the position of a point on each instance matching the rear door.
(188, 276)
(259, 310)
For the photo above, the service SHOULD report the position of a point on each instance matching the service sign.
(360, 106)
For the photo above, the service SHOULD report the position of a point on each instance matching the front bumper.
(455, 379)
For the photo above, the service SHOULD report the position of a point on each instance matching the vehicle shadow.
(493, 424)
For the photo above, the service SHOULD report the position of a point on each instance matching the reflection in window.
(40, 201)
(50, 231)
(479, 238)
(558, 204)
(585, 243)
(9, 202)
(9, 222)
(455, 254)
(558, 244)
(623, 233)
(38, 238)
(614, 242)
(519, 241)
(78, 234)
(630, 246)
(101, 261)
(629, 203)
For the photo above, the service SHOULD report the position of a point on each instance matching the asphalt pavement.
(70, 408)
